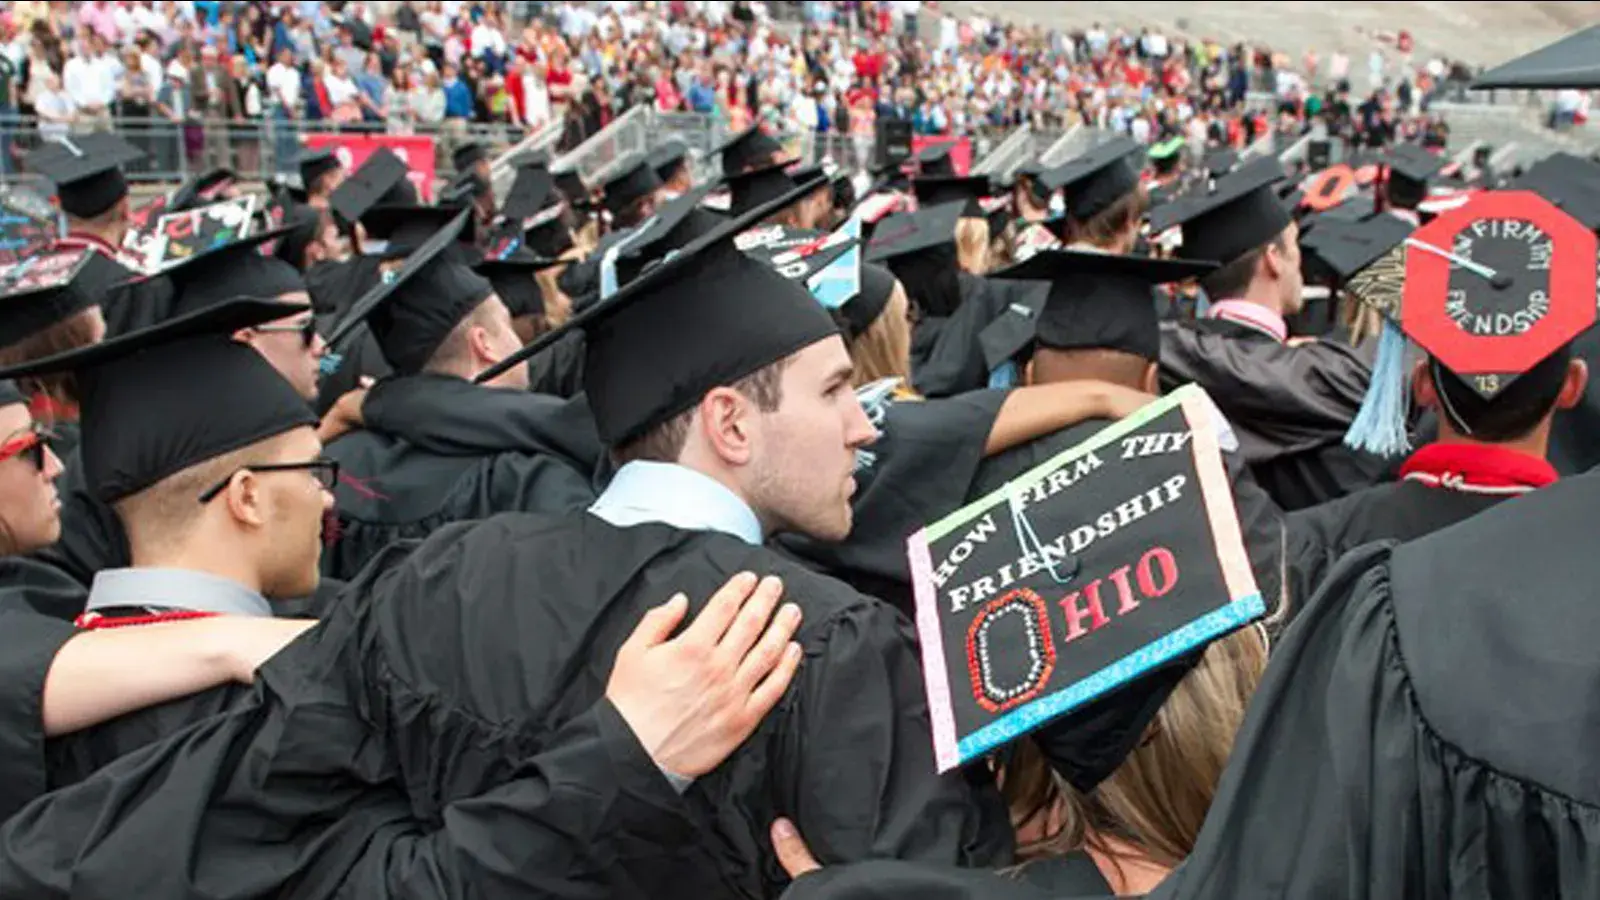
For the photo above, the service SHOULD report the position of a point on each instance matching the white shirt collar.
(669, 494)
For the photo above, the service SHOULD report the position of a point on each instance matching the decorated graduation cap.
(1570, 182)
(512, 279)
(966, 190)
(1097, 301)
(933, 161)
(749, 149)
(830, 266)
(905, 234)
(231, 271)
(1234, 215)
(87, 171)
(705, 316)
(1095, 180)
(381, 179)
(667, 157)
(630, 179)
(201, 189)
(41, 291)
(411, 312)
(1410, 167)
(1167, 155)
(1071, 601)
(468, 154)
(1494, 290)
(316, 163)
(160, 400)
(755, 187)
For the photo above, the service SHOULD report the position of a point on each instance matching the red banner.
(960, 149)
(415, 151)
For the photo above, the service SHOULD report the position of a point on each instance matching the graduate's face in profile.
(285, 345)
(30, 511)
(298, 501)
(802, 470)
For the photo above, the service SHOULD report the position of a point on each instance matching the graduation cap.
(532, 190)
(1570, 182)
(1098, 301)
(465, 188)
(667, 157)
(1220, 161)
(535, 159)
(1236, 214)
(316, 163)
(933, 161)
(748, 149)
(1095, 180)
(466, 155)
(629, 179)
(405, 227)
(1410, 167)
(546, 232)
(1492, 290)
(285, 186)
(87, 171)
(41, 291)
(903, 234)
(231, 271)
(411, 312)
(855, 299)
(200, 189)
(1166, 155)
(754, 187)
(301, 225)
(381, 179)
(966, 190)
(160, 400)
(1344, 248)
(705, 316)
(512, 279)
(569, 181)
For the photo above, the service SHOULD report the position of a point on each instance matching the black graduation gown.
(1575, 433)
(1260, 520)
(1289, 406)
(1397, 511)
(1422, 729)
(126, 307)
(92, 537)
(947, 359)
(30, 584)
(438, 449)
(334, 286)
(28, 645)
(918, 471)
(557, 370)
(453, 670)
(893, 879)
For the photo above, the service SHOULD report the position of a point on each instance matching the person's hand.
(793, 854)
(344, 416)
(693, 699)
(1121, 402)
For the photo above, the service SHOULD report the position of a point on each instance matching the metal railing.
(1016, 149)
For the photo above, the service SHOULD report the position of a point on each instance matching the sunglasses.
(307, 331)
(325, 470)
(30, 445)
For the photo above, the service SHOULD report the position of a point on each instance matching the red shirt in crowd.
(869, 65)
(559, 81)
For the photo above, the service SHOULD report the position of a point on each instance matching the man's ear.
(246, 499)
(1573, 386)
(1422, 386)
(726, 421)
(482, 348)
(1151, 383)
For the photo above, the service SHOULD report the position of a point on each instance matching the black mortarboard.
(546, 232)
(200, 189)
(413, 311)
(569, 181)
(966, 190)
(674, 225)
(746, 150)
(903, 234)
(754, 187)
(87, 170)
(628, 180)
(157, 401)
(464, 189)
(512, 279)
(381, 179)
(532, 190)
(1412, 166)
(468, 154)
(1488, 321)
(1570, 182)
(1100, 301)
(301, 225)
(802, 254)
(316, 163)
(1342, 248)
(1098, 178)
(229, 272)
(933, 161)
(667, 157)
(703, 317)
(41, 291)
(531, 159)
(1238, 213)
(406, 227)
(1220, 161)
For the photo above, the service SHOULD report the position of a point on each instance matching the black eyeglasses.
(307, 330)
(325, 470)
(29, 445)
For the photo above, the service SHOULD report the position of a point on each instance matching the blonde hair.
(972, 245)
(884, 349)
(1158, 798)
(1108, 226)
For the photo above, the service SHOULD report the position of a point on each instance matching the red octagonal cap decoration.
(1497, 284)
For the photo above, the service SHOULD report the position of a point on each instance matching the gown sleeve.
(28, 644)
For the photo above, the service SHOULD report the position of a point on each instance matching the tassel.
(1004, 375)
(1380, 424)
(1202, 303)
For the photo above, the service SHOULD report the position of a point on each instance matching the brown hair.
(1158, 798)
(882, 351)
(72, 333)
(1233, 280)
(665, 442)
(972, 245)
(1109, 225)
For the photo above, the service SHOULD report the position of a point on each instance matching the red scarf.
(93, 621)
(1478, 469)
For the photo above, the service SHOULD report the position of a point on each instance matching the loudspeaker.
(1319, 154)
(893, 142)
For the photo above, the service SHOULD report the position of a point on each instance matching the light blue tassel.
(329, 363)
(1005, 375)
(1202, 303)
(1380, 424)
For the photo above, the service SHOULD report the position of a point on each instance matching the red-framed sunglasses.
(30, 445)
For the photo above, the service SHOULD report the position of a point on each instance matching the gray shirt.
(174, 589)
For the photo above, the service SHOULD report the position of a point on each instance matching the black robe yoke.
(468, 659)
(438, 450)
(29, 643)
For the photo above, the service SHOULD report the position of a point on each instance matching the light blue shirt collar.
(183, 589)
(670, 494)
